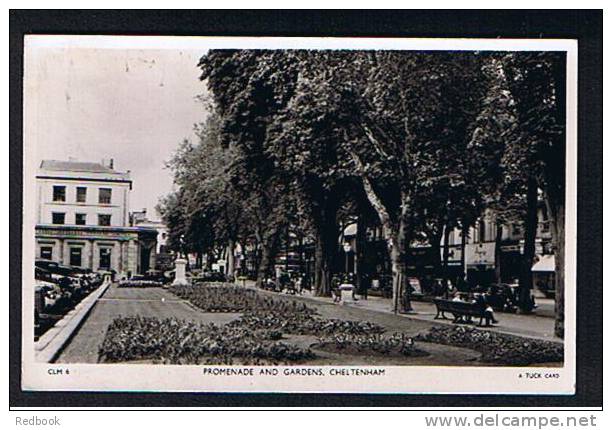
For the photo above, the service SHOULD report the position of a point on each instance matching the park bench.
(460, 309)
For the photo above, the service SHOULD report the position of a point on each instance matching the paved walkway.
(160, 303)
(539, 325)
(148, 302)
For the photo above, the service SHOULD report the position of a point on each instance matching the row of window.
(80, 219)
(104, 194)
(76, 256)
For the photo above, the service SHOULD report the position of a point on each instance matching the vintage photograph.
(386, 209)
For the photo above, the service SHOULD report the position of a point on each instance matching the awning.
(546, 263)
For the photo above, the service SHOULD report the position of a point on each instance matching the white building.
(140, 219)
(83, 218)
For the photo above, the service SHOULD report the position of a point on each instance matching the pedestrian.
(364, 285)
(335, 289)
(460, 283)
(481, 301)
(437, 288)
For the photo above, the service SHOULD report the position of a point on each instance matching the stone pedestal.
(179, 278)
(346, 293)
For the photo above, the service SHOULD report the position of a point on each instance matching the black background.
(585, 26)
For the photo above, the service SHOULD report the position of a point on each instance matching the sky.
(134, 106)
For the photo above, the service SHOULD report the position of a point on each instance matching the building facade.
(163, 257)
(83, 219)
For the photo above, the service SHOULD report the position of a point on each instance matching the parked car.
(54, 267)
(156, 275)
(211, 277)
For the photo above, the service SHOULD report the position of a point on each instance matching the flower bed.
(304, 323)
(268, 313)
(397, 344)
(173, 341)
(498, 348)
(140, 283)
(214, 297)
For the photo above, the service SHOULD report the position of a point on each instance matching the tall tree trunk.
(498, 239)
(399, 273)
(255, 256)
(301, 253)
(209, 260)
(287, 243)
(401, 243)
(447, 232)
(269, 249)
(435, 253)
(558, 234)
(531, 224)
(359, 253)
(464, 229)
(326, 247)
(231, 260)
(325, 250)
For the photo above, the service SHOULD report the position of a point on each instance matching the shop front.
(480, 264)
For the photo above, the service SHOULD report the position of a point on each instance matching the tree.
(384, 118)
(170, 207)
(248, 88)
(211, 215)
(259, 95)
(401, 111)
(537, 84)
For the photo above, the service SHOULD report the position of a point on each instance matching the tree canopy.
(425, 140)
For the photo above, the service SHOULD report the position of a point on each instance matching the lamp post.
(347, 249)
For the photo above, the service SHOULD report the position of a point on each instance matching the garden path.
(149, 302)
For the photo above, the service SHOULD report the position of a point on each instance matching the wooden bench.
(460, 309)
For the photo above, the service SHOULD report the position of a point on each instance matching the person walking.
(364, 284)
(298, 284)
(335, 288)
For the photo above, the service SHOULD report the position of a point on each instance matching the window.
(58, 217)
(104, 196)
(75, 257)
(46, 252)
(105, 258)
(80, 219)
(104, 220)
(81, 194)
(59, 193)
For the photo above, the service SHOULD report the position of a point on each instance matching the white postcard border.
(396, 379)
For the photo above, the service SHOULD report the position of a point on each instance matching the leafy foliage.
(139, 284)
(173, 341)
(396, 344)
(428, 139)
(499, 348)
(230, 298)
